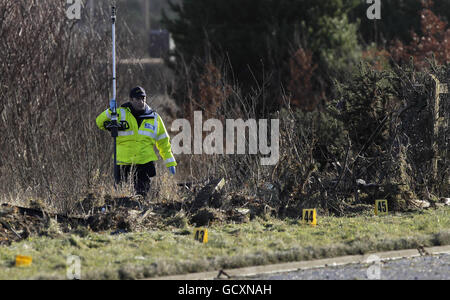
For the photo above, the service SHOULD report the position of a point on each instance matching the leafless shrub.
(375, 141)
(55, 81)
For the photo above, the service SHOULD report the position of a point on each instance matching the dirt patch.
(205, 205)
(118, 219)
(18, 223)
(206, 216)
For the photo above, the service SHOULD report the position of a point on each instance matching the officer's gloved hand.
(106, 125)
(172, 170)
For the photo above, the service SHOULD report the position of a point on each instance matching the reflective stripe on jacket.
(135, 145)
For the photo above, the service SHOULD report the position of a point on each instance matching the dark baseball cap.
(137, 92)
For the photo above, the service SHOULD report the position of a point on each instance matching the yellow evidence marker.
(381, 207)
(201, 235)
(23, 261)
(310, 216)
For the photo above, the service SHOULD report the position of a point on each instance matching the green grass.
(157, 253)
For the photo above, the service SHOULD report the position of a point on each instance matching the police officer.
(142, 129)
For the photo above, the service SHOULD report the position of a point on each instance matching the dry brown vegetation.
(55, 81)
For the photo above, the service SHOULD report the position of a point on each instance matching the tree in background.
(434, 41)
(256, 40)
(302, 69)
(135, 19)
(398, 18)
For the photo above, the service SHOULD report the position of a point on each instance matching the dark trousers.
(141, 176)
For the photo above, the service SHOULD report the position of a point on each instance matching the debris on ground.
(18, 223)
(206, 216)
(210, 195)
(444, 201)
(206, 203)
(419, 203)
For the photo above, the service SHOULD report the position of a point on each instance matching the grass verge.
(174, 251)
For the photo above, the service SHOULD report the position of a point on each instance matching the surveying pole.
(114, 125)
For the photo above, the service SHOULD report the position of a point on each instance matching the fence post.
(439, 88)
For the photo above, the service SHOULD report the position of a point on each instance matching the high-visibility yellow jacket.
(135, 145)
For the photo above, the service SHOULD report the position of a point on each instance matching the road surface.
(431, 267)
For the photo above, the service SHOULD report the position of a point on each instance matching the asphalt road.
(432, 267)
